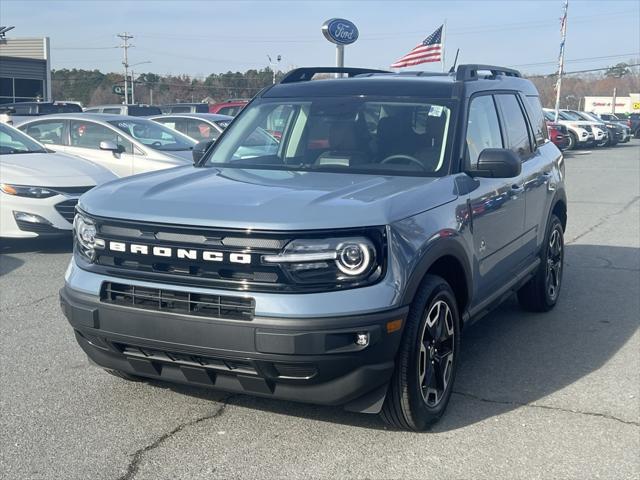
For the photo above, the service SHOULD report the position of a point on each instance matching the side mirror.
(497, 163)
(200, 149)
(109, 145)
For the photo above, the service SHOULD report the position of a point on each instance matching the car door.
(535, 168)
(541, 174)
(496, 205)
(84, 141)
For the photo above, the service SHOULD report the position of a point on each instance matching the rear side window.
(534, 109)
(50, 133)
(114, 111)
(231, 111)
(515, 125)
(92, 110)
(483, 128)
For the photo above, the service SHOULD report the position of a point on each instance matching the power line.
(578, 60)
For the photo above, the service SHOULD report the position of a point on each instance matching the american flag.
(430, 50)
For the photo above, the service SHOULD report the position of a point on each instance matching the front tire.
(573, 141)
(541, 293)
(421, 386)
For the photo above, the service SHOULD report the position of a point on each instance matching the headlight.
(345, 260)
(85, 235)
(27, 191)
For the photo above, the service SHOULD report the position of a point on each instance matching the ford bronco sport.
(338, 261)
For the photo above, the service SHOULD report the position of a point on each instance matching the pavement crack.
(138, 455)
(600, 222)
(546, 407)
(30, 304)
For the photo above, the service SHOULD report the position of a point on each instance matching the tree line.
(92, 87)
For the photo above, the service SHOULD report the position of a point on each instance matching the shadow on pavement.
(63, 244)
(517, 357)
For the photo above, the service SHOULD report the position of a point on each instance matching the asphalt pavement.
(553, 395)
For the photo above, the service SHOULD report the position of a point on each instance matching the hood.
(267, 199)
(51, 170)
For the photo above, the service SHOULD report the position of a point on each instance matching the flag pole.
(444, 31)
(563, 31)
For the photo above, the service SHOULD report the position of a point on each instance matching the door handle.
(515, 188)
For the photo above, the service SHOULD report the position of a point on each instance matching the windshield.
(342, 134)
(154, 135)
(13, 141)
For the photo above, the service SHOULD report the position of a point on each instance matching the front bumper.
(314, 360)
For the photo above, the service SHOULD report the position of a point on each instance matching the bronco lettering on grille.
(182, 253)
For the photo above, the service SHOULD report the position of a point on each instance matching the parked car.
(39, 189)
(125, 145)
(581, 132)
(634, 118)
(230, 107)
(132, 110)
(609, 117)
(341, 267)
(600, 132)
(618, 132)
(198, 126)
(21, 111)
(558, 134)
(185, 108)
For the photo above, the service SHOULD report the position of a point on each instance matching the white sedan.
(39, 189)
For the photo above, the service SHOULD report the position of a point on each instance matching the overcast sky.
(202, 37)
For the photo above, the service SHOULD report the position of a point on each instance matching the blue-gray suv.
(332, 245)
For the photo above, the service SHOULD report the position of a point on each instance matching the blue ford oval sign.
(340, 31)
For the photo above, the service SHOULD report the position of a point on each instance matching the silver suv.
(332, 244)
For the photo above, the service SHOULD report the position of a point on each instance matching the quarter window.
(483, 128)
(515, 125)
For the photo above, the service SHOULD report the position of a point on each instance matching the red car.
(558, 135)
(230, 107)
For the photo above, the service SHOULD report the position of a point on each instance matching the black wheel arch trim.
(437, 249)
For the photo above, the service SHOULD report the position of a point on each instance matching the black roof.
(467, 79)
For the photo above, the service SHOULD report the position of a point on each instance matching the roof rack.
(470, 72)
(306, 73)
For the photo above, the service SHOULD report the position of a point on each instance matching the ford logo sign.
(340, 31)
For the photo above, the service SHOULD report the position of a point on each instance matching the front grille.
(183, 263)
(72, 190)
(67, 209)
(172, 301)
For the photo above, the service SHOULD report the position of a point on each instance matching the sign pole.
(563, 31)
(340, 32)
(444, 45)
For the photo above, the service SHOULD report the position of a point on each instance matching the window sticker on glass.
(435, 110)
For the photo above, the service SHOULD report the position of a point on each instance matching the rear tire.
(421, 386)
(541, 293)
(123, 375)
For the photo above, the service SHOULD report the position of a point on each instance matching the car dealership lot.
(554, 395)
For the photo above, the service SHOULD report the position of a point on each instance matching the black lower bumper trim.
(309, 360)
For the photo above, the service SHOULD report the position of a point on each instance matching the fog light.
(362, 339)
(30, 218)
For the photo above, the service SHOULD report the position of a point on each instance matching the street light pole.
(273, 66)
(125, 47)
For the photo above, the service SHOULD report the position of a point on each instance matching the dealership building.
(25, 69)
(630, 104)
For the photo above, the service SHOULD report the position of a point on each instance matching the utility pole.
(125, 47)
(563, 32)
(613, 104)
